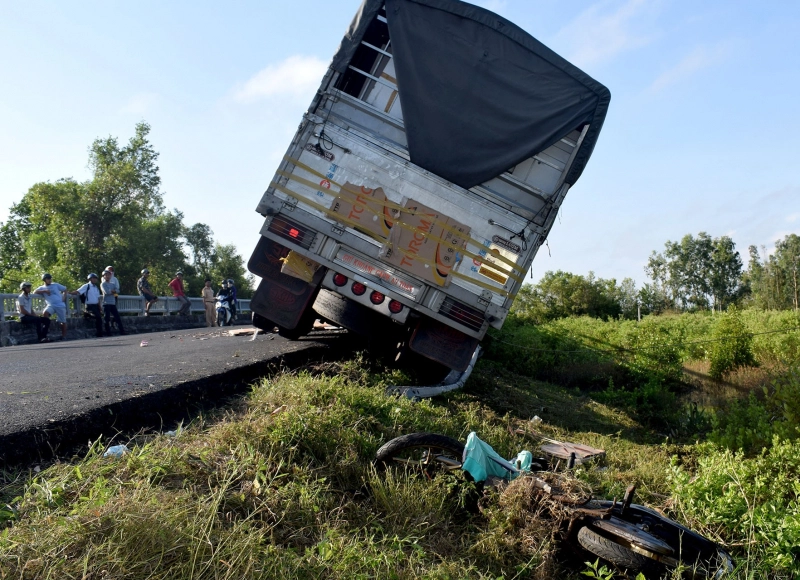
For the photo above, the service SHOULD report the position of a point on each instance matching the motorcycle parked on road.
(224, 315)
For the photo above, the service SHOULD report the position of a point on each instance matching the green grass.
(282, 486)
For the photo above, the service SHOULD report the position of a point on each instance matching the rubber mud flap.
(442, 343)
(279, 298)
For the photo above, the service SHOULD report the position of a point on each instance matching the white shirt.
(25, 302)
(92, 293)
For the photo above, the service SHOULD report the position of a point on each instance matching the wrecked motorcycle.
(632, 537)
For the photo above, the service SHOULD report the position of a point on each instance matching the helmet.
(145, 271)
(230, 280)
(179, 273)
(90, 276)
(110, 268)
(46, 275)
(224, 282)
(23, 285)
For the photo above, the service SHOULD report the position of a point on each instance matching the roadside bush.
(750, 425)
(732, 348)
(749, 502)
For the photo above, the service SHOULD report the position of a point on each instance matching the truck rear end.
(423, 179)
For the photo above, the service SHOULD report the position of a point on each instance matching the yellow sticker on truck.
(490, 265)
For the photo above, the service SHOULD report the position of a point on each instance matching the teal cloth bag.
(481, 461)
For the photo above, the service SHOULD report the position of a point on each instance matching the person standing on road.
(114, 278)
(91, 294)
(208, 303)
(232, 296)
(143, 286)
(178, 292)
(110, 294)
(54, 294)
(26, 315)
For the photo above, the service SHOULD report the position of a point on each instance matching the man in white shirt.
(92, 301)
(53, 293)
(26, 315)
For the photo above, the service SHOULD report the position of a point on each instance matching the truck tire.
(356, 317)
(303, 327)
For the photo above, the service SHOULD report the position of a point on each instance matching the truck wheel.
(354, 316)
(303, 327)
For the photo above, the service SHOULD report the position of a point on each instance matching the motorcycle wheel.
(220, 318)
(617, 554)
(426, 452)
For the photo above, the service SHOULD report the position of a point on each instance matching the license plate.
(371, 270)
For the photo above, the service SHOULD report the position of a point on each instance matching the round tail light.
(395, 307)
(358, 288)
(339, 280)
(377, 298)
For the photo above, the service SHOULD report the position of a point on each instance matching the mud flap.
(442, 343)
(279, 298)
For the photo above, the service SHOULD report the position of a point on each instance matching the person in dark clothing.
(26, 315)
(90, 294)
(232, 295)
(110, 302)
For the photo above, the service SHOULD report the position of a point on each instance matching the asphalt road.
(59, 395)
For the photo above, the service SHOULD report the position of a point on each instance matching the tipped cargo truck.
(423, 179)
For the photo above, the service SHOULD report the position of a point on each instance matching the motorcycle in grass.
(632, 537)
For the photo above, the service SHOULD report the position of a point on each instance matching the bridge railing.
(165, 306)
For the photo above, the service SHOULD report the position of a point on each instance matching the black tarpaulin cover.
(479, 94)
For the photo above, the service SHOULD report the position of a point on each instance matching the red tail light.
(395, 307)
(339, 280)
(377, 298)
(358, 288)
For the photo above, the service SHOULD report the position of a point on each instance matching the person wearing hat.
(90, 294)
(178, 292)
(54, 294)
(208, 303)
(113, 277)
(110, 302)
(143, 286)
(26, 315)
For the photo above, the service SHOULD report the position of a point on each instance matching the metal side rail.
(454, 380)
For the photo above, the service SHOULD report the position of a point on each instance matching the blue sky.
(701, 135)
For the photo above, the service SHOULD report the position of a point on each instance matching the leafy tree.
(698, 272)
(200, 241)
(116, 218)
(774, 280)
(561, 294)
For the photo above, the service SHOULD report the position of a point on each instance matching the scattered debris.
(242, 331)
(143, 343)
(116, 451)
(278, 410)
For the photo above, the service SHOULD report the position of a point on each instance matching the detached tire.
(615, 553)
(428, 452)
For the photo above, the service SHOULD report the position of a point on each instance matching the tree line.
(694, 274)
(117, 217)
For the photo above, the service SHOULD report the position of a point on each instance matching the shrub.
(732, 348)
(752, 502)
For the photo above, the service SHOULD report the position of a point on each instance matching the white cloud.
(700, 58)
(792, 217)
(605, 30)
(296, 76)
(140, 103)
